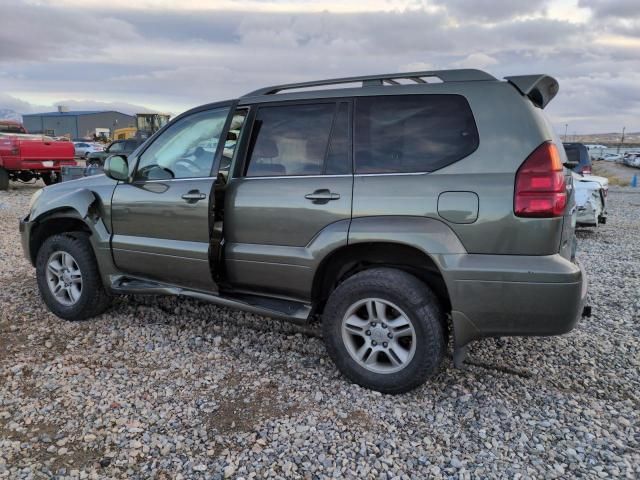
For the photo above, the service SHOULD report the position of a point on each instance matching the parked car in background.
(119, 147)
(83, 149)
(577, 152)
(25, 157)
(632, 159)
(11, 126)
(388, 210)
(591, 200)
(611, 157)
(591, 190)
(595, 151)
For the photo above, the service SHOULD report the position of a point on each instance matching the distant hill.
(8, 114)
(610, 139)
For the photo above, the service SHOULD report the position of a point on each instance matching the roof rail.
(461, 75)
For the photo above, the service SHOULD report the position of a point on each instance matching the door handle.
(193, 196)
(323, 195)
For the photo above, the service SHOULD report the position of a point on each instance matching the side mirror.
(117, 167)
(571, 164)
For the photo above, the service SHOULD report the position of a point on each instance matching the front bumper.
(505, 295)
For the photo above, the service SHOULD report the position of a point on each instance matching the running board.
(290, 310)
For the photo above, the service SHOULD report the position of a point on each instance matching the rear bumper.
(37, 165)
(504, 295)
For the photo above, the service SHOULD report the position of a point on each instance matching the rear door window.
(293, 140)
(412, 133)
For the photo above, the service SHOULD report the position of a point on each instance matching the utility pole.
(566, 126)
(621, 139)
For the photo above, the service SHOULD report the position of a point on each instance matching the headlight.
(34, 199)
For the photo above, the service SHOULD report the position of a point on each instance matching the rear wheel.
(384, 330)
(68, 277)
(4, 179)
(49, 178)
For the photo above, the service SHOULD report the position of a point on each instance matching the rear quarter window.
(412, 133)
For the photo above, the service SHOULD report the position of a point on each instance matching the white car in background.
(591, 199)
(83, 149)
(632, 159)
(612, 157)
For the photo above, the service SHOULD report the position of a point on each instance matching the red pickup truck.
(25, 157)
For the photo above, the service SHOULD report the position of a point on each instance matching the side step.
(292, 311)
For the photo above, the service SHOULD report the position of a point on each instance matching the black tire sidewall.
(416, 301)
(79, 248)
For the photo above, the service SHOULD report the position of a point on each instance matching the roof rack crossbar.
(461, 75)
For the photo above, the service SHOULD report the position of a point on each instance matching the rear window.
(577, 152)
(11, 129)
(412, 133)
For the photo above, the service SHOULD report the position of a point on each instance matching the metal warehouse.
(76, 124)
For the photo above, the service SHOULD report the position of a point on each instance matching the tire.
(91, 299)
(395, 292)
(49, 178)
(4, 179)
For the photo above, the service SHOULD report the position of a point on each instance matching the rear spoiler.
(539, 88)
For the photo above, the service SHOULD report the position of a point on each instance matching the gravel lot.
(618, 173)
(173, 388)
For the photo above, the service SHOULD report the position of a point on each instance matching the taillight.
(540, 189)
(586, 170)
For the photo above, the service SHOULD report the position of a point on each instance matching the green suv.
(393, 207)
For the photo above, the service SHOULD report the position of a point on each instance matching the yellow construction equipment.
(124, 133)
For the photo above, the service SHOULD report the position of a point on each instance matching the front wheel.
(68, 277)
(383, 329)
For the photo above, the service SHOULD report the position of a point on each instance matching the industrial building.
(76, 124)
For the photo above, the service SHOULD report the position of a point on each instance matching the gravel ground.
(618, 173)
(173, 388)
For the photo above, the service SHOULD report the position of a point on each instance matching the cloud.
(612, 8)
(476, 60)
(18, 105)
(32, 32)
(175, 59)
(492, 10)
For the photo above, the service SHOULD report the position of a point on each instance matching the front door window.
(186, 149)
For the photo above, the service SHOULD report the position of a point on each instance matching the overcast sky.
(173, 55)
